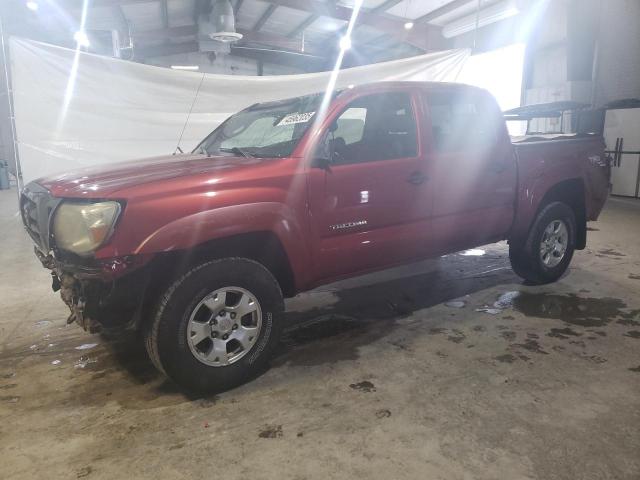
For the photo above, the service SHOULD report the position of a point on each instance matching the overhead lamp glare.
(408, 25)
(345, 43)
(33, 6)
(185, 67)
(81, 38)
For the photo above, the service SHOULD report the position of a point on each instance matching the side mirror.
(322, 162)
(324, 153)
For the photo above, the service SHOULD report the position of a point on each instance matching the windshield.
(270, 129)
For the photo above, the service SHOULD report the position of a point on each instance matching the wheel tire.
(526, 259)
(165, 335)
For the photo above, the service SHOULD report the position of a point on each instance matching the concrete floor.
(381, 378)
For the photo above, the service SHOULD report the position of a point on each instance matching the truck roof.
(376, 86)
(424, 85)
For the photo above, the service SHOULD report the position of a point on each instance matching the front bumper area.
(100, 293)
(105, 295)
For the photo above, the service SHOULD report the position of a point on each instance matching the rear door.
(370, 208)
(473, 168)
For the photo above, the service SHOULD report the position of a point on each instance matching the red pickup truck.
(198, 250)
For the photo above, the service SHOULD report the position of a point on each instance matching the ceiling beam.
(264, 17)
(272, 40)
(77, 4)
(165, 33)
(383, 7)
(237, 6)
(301, 61)
(393, 26)
(164, 13)
(123, 24)
(421, 35)
(443, 10)
(164, 50)
(303, 25)
(248, 36)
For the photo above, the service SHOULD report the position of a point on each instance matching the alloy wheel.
(553, 245)
(224, 326)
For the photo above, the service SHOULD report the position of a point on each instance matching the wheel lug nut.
(235, 326)
(223, 313)
(225, 336)
(214, 334)
(233, 314)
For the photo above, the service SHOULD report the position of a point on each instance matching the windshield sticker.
(296, 118)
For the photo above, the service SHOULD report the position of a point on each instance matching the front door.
(370, 208)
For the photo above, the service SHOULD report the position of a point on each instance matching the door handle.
(416, 178)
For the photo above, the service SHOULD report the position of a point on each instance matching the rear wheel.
(548, 250)
(216, 326)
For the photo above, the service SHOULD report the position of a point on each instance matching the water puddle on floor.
(574, 310)
(474, 252)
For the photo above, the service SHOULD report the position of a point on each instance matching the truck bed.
(579, 157)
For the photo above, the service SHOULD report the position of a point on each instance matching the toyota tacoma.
(197, 251)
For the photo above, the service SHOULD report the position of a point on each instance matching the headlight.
(82, 227)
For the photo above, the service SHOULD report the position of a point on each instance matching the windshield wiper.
(237, 151)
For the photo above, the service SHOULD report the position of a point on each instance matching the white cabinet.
(622, 133)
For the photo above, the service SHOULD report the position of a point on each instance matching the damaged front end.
(102, 294)
(71, 292)
(98, 299)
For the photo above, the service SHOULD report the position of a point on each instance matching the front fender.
(193, 230)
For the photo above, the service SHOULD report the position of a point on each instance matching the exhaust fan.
(219, 24)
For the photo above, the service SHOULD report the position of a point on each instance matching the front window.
(270, 129)
(375, 127)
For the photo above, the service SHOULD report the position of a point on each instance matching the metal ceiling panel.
(319, 37)
(326, 25)
(250, 13)
(416, 8)
(103, 18)
(181, 12)
(365, 33)
(284, 20)
(143, 16)
(467, 9)
(366, 4)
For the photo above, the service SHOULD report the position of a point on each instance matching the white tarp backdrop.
(76, 109)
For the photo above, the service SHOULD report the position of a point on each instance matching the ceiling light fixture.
(33, 6)
(408, 25)
(185, 67)
(81, 38)
(345, 42)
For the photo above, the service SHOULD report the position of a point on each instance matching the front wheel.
(548, 250)
(216, 326)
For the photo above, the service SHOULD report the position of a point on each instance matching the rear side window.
(462, 121)
(376, 127)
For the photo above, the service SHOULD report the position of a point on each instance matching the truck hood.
(100, 182)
